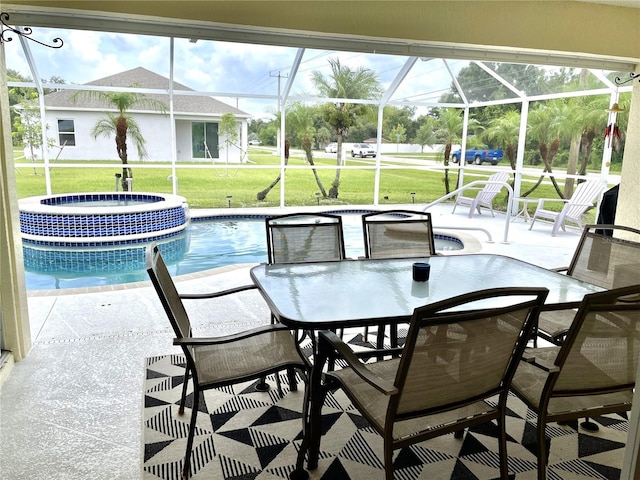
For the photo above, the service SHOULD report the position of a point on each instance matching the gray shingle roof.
(143, 78)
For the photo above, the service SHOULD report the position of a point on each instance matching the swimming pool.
(205, 244)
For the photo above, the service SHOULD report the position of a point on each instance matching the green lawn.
(207, 186)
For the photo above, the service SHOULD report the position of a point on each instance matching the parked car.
(478, 156)
(254, 142)
(363, 150)
(331, 148)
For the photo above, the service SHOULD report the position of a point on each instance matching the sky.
(236, 69)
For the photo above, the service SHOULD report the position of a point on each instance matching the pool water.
(203, 245)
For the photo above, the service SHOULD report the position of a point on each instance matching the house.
(196, 120)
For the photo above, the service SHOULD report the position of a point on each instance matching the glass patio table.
(353, 293)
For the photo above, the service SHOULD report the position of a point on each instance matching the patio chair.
(582, 199)
(302, 237)
(485, 196)
(217, 362)
(458, 354)
(600, 259)
(397, 234)
(592, 373)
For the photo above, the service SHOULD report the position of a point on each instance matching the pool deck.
(72, 408)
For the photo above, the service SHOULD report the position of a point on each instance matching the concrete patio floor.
(72, 408)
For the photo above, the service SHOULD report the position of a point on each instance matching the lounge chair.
(585, 194)
(485, 196)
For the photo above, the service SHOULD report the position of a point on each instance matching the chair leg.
(388, 461)
(192, 427)
(300, 473)
(293, 384)
(589, 425)
(183, 398)
(502, 448)
(262, 385)
(541, 448)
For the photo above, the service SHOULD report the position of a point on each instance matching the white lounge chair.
(485, 196)
(582, 199)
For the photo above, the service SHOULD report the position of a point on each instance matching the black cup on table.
(421, 271)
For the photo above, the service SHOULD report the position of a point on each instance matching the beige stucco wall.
(627, 212)
(569, 26)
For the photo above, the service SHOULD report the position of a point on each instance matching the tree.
(426, 134)
(18, 95)
(263, 193)
(344, 83)
(323, 136)
(228, 130)
(505, 130)
(544, 128)
(450, 131)
(393, 116)
(398, 134)
(28, 127)
(122, 124)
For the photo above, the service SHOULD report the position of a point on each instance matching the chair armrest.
(380, 384)
(192, 296)
(541, 201)
(529, 356)
(200, 341)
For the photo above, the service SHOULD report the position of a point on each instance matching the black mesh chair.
(397, 234)
(592, 373)
(607, 256)
(458, 356)
(220, 361)
(302, 237)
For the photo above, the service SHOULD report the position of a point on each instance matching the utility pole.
(279, 75)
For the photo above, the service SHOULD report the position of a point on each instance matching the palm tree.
(261, 195)
(299, 119)
(343, 83)
(450, 130)
(122, 124)
(544, 127)
(505, 130)
(572, 127)
(426, 133)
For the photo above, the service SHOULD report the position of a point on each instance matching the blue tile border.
(80, 219)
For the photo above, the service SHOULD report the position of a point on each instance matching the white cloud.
(206, 65)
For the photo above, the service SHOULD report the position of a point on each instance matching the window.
(66, 133)
(204, 140)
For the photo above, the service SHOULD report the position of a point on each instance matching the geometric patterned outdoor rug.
(244, 435)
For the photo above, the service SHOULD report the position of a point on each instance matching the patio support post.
(522, 137)
(15, 334)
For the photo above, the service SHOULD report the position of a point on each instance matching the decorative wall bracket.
(25, 32)
(632, 76)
